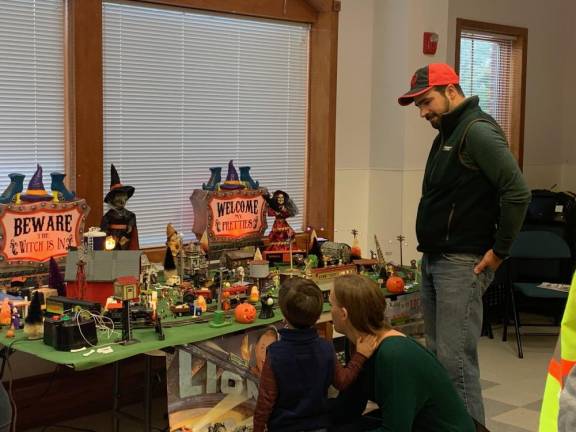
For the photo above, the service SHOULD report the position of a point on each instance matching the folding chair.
(536, 257)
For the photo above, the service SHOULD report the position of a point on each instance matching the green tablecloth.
(148, 341)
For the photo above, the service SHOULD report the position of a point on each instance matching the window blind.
(31, 88)
(487, 69)
(185, 91)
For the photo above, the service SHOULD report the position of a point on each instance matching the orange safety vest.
(559, 367)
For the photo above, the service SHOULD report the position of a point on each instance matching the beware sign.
(38, 231)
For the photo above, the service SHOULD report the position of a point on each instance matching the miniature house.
(102, 268)
(126, 287)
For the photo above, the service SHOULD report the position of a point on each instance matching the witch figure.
(119, 222)
(281, 207)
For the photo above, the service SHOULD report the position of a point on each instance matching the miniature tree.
(33, 326)
(355, 251)
(169, 264)
(315, 250)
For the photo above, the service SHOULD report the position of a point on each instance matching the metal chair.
(536, 257)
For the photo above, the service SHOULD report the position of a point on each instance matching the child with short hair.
(301, 366)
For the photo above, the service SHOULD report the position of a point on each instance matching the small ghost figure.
(241, 274)
(267, 311)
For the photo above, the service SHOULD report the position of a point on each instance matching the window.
(185, 91)
(31, 87)
(491, 60)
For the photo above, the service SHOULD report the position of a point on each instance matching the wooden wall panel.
(322, 121)
(86, 57)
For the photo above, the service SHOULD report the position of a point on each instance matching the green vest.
(459, 208)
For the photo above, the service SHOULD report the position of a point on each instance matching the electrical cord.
(100, 322)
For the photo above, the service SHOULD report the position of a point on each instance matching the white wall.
(381, 148)
(353, 121)
(548, 137)
(398, 140)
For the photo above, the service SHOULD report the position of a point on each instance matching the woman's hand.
(366, 345)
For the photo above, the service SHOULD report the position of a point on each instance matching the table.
(148, 341)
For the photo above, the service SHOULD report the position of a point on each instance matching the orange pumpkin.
(245, 313)
(395, 284)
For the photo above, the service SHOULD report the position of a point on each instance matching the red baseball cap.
(435, 74)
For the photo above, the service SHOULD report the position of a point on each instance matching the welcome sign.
(229, 215)
(38, 231)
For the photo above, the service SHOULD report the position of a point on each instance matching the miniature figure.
(15, 318)
(173, 240)
(201, 302)
(281, 207)
(241, 273)
(267, 310)
(118, 222)
(276, 281)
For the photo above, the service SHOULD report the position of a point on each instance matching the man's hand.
(488, 260)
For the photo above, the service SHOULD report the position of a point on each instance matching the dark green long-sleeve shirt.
(473, 195)
(487, 150)
(413, 390)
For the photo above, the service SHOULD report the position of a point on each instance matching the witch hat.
(116, 186)
(232, 181)
(36, 191)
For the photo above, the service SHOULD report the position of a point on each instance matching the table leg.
(116, 398)
(148, 395)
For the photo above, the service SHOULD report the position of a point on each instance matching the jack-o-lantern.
(395, 284)
(245, 313)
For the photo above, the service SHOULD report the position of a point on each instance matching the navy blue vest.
(303, 366)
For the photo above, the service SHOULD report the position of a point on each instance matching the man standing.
(473, 203)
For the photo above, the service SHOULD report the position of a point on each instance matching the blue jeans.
(452, 305)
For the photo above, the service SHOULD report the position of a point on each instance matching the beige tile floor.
(512, 389)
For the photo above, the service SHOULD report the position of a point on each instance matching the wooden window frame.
(518, 106)
(86, 100)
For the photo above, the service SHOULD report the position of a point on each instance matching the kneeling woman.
(410, 386)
